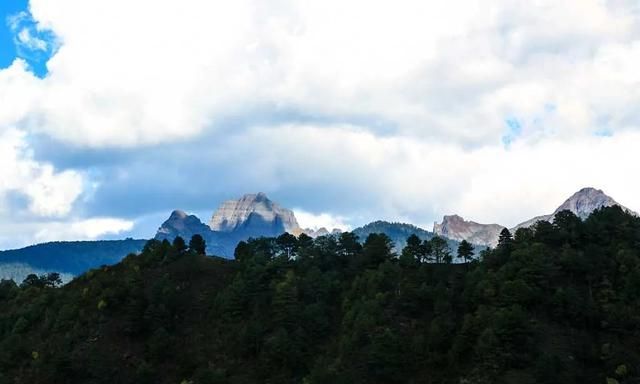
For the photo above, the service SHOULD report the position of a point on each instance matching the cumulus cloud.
(321, 220)
(37, 200)
(49, 193)
(26, 231)
(418, 181)
(452, 71)
(89, 229)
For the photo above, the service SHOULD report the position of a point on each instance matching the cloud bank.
(356, 110)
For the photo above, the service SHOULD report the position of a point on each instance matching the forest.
(555, 303)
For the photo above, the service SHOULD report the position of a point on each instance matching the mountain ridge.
(455, 227)
(254, 215)
(582, 203)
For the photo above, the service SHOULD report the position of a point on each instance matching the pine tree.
(198, 245)
(465, 251)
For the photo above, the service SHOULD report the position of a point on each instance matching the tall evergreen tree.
(440, 251)
(465, 251)
(198, 245)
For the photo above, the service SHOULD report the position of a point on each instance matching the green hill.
(398, 232)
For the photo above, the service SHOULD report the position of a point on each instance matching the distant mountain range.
(255, 215)
(582, 204)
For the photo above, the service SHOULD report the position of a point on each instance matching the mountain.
(582, 203)
(456, 228)
(398, 233)
(65, 257)
(254, 215)
(181, 224)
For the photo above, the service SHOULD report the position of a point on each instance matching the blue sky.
(7, 46)
(495, 113)
(15, 19)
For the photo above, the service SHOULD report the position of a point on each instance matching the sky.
(113, 113)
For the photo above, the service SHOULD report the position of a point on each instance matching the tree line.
(557, 302)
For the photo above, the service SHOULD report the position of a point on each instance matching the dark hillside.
(554, 304)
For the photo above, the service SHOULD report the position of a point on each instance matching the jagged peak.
(178, 214)
(588, 190)
(586, 200)
(235, 213)
(260, 196)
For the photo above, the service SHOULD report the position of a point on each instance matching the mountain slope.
(65, 257)
(254, 215)
(398, 233)
(582, 203)
(183, 225)
(456, 228)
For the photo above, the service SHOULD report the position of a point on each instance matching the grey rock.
(456, 228)
(256, 214)
(582, 203)
(253, 215)
(183, 225)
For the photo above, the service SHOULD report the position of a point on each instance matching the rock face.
(183, 225)
(254, 214)
(456, 228)
(582, 204)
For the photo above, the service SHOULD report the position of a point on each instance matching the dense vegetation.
(398, 233)
(554, 304)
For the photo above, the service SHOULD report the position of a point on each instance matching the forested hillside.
(557, 303)
(69, 257)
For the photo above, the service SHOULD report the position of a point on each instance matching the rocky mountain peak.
(178, 215)
(581, 203)
(181, 224)
(457, 228)
(254, 212)
(585, 201)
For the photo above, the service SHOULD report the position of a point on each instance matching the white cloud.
(48, 192)
(89, 229)
(413, 96)
(402, 178)
(450, 71)
(321, 220)
(17, 232)
(36, 200)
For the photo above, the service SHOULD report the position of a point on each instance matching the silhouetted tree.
(179, 244)
(197, 244)
(377, 249)
(287, 243)
(465, 251)
(439, 250)
(505, 239)
(348, 244)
